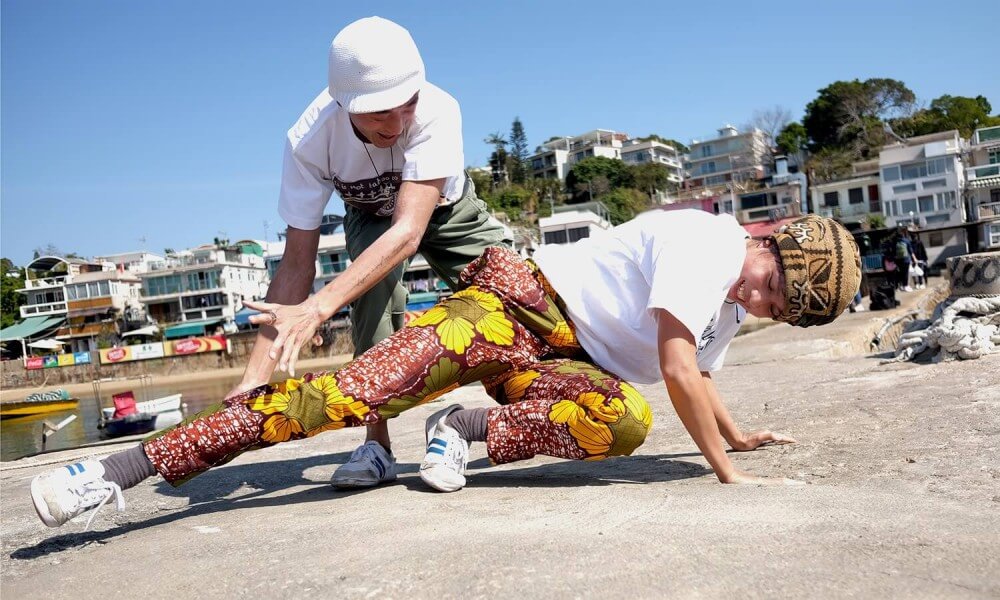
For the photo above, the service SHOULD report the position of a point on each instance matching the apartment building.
(982, 188)
(852, 198)
(573, 222)
(727, 158)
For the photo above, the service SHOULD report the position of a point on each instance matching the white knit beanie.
(374, 66)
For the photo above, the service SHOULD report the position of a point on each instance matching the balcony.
(45, 282)
(981, 172)
(986, 135)
(88, 330)
(768, 213)
(988, 210)
(48, 308)
(851, 210)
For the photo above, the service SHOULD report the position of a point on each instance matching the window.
(926, 204)
(889, 208)
(890, 174)
(715, 180)
(902, 189)
(105, 288)
(935, 239)
(831, 199)
(995, 234)
(856, 196)
(332, 263)
(709, 167)
(994, 157)
(907, 206)
(995, 195)
(934, 183)
(555, 237)
(706, 150)
(93, 289)
(71, 292)
(578, 233)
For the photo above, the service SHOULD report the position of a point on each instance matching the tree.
(47, 250)
(614, 171)
(518, 152)
(946, 113)
(10, 299)
(498, 160)
(681, 148)
(793, 142)
(771, 121)
(650, 177)
(849, 114)
(624, 203)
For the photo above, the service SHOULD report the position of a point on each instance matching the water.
(23, 436)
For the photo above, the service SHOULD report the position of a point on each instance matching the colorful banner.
(196, 345)
(57, 360)
(131, 353)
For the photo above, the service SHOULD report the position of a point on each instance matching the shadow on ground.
(208, 493)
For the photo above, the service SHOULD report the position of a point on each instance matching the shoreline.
(117, 385)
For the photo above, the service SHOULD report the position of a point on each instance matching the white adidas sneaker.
(447, 455)
(63, 493)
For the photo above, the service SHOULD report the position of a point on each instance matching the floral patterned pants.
(506, 328)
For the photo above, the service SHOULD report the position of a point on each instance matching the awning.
(31, 327)
(149, 330)
(188, 328)
(49, 344)
(985, 182)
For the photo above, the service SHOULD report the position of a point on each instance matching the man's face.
(761, 286)
(383, 128)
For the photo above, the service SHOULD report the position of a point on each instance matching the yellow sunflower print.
(593, 437)
(337, 406)
(280, 428)
(464, 313)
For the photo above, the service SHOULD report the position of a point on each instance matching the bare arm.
(736, 439)
(291, 285)
(296, 323)
(688, 394)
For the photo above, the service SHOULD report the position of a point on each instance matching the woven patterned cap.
(822, 270)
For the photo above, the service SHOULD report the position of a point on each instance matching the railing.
(49, 308)
(82, 330)
(851, 210)
(768, 213)
(45, 282)
(982, 171)
(988, 210)
(871, 262)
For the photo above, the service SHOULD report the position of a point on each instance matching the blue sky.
(166, 120)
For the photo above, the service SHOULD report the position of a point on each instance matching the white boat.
(166, 409)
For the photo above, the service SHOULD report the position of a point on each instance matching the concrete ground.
(902, 500)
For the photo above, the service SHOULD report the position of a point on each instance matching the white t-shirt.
(324, 154)
(682, 261)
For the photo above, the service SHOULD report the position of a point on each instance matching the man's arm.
(291, 285)
(295, 324)
(688, 394)
(736, 439)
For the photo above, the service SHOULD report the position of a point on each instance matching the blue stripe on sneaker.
(79, 467)
(70, 469)
(434, 450)
(439, 442)
(380, 467)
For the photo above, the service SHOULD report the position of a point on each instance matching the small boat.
(39, 403)
(128, 417)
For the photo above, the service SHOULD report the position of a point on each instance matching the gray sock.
(470, 423)
(128, 468)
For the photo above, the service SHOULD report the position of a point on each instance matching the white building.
(726, 159)
(573, 222)
(132, 262)
(922, 180)
(852, 198)
(921, 186)
(637, 152)
(983, 187)
(196, 291)
(554, 158)
(331, 259)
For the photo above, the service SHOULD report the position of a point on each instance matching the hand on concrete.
(756, 439)
(295, 323)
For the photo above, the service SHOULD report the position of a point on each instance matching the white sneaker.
(860, 308)
(447, 453)
(907, 289)
(68, 491)
(370, 465)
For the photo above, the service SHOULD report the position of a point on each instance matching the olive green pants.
(456, 235)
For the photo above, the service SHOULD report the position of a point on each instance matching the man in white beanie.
(390, 144)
